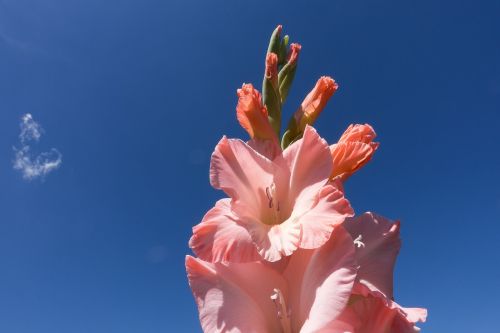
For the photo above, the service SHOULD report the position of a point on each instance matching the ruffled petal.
(242, 173)
(275, 241)
(331, 209)
(234, 297)
(322, 281)
(377, 255)
(221, 238)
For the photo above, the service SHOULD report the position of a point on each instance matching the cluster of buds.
(280, 68)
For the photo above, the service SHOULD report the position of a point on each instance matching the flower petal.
(370, 312)
(241, 172)
(309, 164)
(357, 132)
(349, 157)
(268, 148)
(322, 280)
(317, 223)
(275, 241)
(377, 257)
(234, 297)
(221, 238)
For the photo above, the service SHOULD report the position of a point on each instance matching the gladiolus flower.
(354, 149)
(307, 296)
(276, 206)
(252, 115)
(315, 102)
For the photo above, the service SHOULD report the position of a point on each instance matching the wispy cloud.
(31, 166)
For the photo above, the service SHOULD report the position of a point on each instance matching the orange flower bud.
(354, 149)
(293, 54)
(252, 115)
(272, 68)
(314, 102)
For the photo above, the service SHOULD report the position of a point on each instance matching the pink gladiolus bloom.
(275, 206)
(354, 149)
(307, 296)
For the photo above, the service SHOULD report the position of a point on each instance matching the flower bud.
(287, 73)
(275, 41)
(271, 73)
(270, 92)
(314, 102)
(354, 149)
(252, 115)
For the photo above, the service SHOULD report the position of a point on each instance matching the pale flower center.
(282, 311)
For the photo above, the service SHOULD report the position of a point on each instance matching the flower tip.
(293, 54)
(246, 89)
(271, 65)
(327, 85)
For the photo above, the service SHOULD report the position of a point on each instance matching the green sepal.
(292, 133)
(271, 99)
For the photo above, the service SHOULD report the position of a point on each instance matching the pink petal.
(377, 257)
(268, 148)
(348, 157)
(221, 238)
(242, 173)
(322, 280)
(318, 222)
(309, 163)
(372, 313)
(275, 241)
(234, 297)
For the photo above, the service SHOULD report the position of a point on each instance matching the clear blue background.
(136, 93)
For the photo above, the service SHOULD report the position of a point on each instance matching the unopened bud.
(315, 102)
(252, 115)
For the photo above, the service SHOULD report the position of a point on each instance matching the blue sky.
(135, 94)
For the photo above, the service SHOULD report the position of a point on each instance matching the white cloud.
(30, 129)
(33, 167)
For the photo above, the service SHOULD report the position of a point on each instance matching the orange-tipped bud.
(362, 133)
(354, 149)
(293, 54)
(272, 68)
(315, 102)
(252, 115)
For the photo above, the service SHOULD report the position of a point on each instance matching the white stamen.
(358, 242)
(282, 312)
